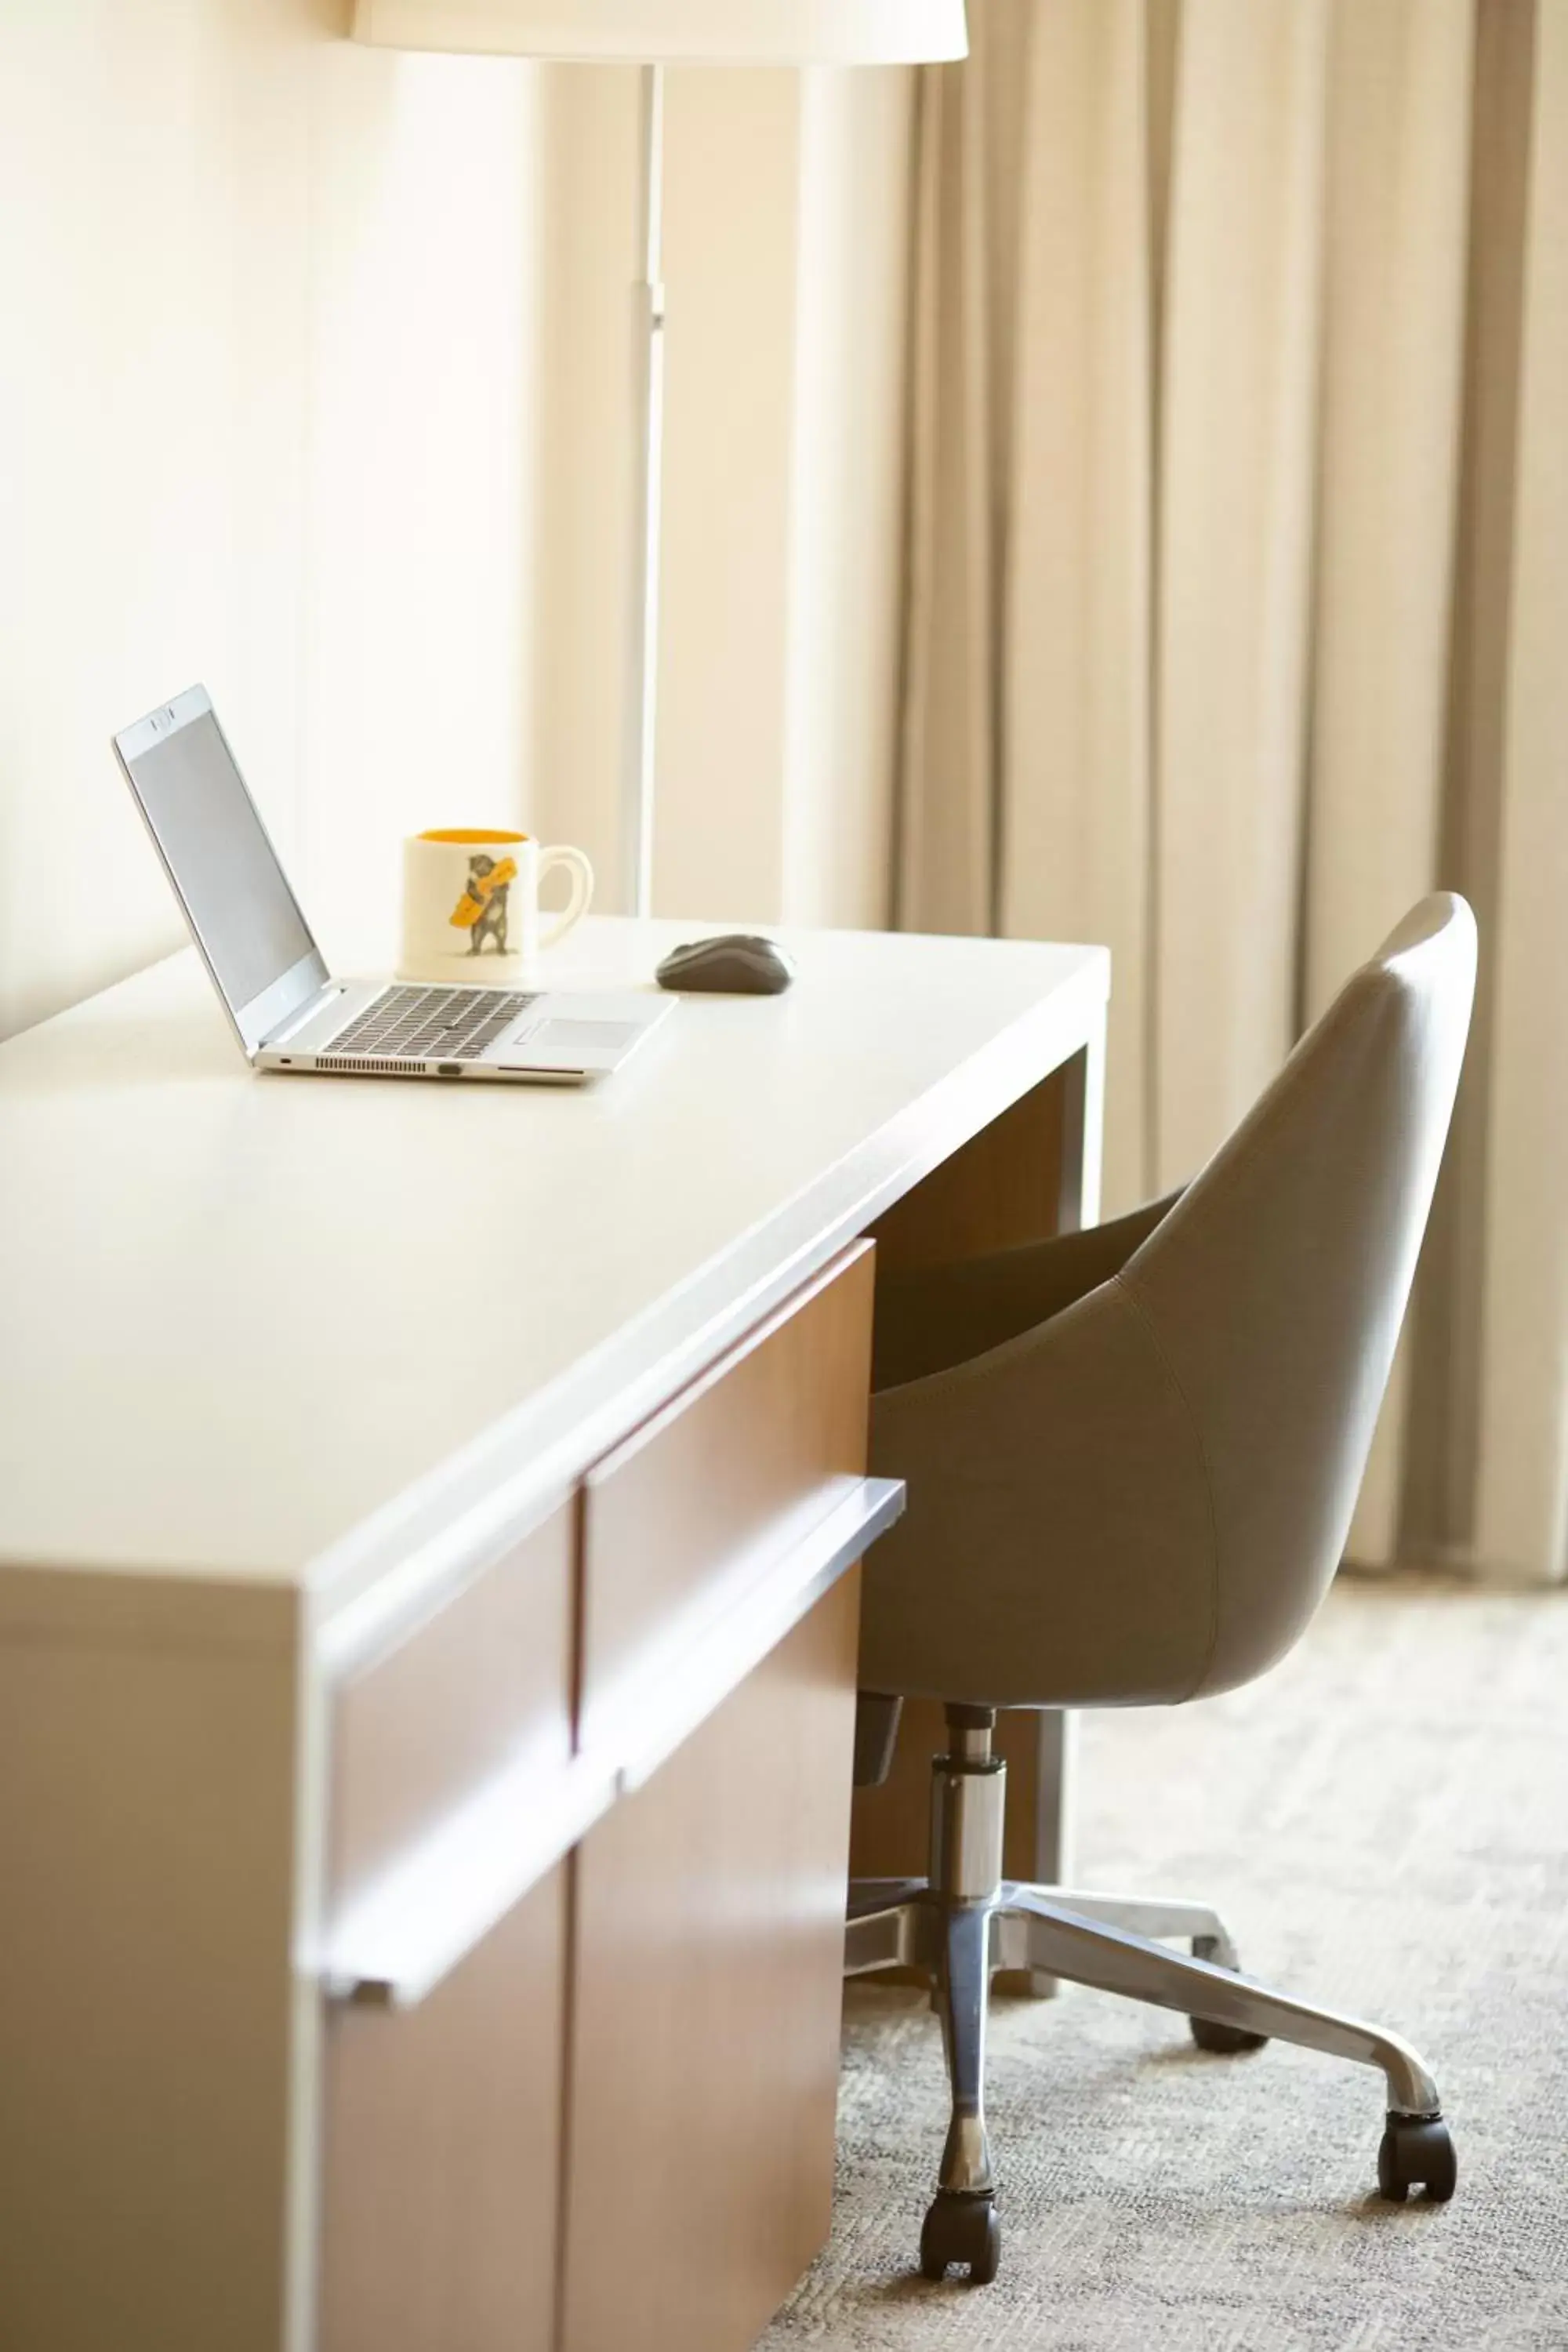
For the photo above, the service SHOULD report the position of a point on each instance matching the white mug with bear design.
(470, 903)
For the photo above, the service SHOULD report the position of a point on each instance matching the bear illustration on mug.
(481, 910)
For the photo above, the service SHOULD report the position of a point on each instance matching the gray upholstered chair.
(1132, 1455)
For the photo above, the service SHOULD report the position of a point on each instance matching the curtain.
(1238, 607)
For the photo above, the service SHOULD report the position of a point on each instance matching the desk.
(428, 1519)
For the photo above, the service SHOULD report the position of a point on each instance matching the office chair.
(1132, 1455)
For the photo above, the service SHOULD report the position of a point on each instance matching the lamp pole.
(642, 668)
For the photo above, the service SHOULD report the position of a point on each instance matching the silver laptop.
(287, 1009)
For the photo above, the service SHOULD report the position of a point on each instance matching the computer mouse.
(734, 965)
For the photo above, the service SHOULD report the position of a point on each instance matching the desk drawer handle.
(393, 1944)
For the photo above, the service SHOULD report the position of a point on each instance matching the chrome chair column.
(968, 1794)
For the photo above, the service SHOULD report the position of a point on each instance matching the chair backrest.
(1276, 1286)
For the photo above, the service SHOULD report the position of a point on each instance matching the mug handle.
(578, 905)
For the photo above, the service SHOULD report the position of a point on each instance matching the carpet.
(1383, 1823)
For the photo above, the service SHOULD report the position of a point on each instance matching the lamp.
(654, 33)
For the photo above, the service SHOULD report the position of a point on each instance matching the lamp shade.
(675, 32)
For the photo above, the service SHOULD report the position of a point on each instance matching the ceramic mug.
(470, 902)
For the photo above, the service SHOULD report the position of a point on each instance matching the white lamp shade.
(675, 32)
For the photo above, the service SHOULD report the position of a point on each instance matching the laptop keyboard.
(431, 1024)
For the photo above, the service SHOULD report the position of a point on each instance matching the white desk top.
(334, 1334)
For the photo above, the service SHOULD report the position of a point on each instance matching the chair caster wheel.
(962, 2231)
(1227, 2039)
(1416, 2153)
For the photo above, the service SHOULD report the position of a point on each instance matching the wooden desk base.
(710, 1937)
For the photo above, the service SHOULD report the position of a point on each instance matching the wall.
(266, 303)
(785, 241)
(832, 816)
(315, 384)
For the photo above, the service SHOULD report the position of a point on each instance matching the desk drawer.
(709, 1940)
(672, 1516)
(439, 2152)
(440, 2159)
(482, 1682)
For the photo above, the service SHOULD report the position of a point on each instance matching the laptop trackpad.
(563, 1039)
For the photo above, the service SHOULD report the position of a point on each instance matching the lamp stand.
(642, 666)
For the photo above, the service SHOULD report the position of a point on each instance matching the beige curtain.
(1239, 605)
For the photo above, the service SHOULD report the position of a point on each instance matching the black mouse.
(735, 965)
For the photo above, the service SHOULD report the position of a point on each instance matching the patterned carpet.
(1383, 1822)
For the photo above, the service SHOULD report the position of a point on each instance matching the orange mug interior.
(471, 836)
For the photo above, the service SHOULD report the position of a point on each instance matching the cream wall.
(832, 820)
(785, 239)
(267, 304)
(316, 368)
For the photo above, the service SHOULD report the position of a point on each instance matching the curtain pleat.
(1522, 1513)
(1240, 369)
(1239, 601)
(970, 134)
(1399, 122)
(1443, 1428)
(1076, 691)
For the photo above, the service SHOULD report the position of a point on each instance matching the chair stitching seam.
(1163, 1352)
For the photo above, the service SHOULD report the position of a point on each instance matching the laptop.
(288, 1011)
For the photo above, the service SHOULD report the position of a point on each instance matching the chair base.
(965, 1922)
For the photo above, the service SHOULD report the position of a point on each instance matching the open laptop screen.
(236, 896)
